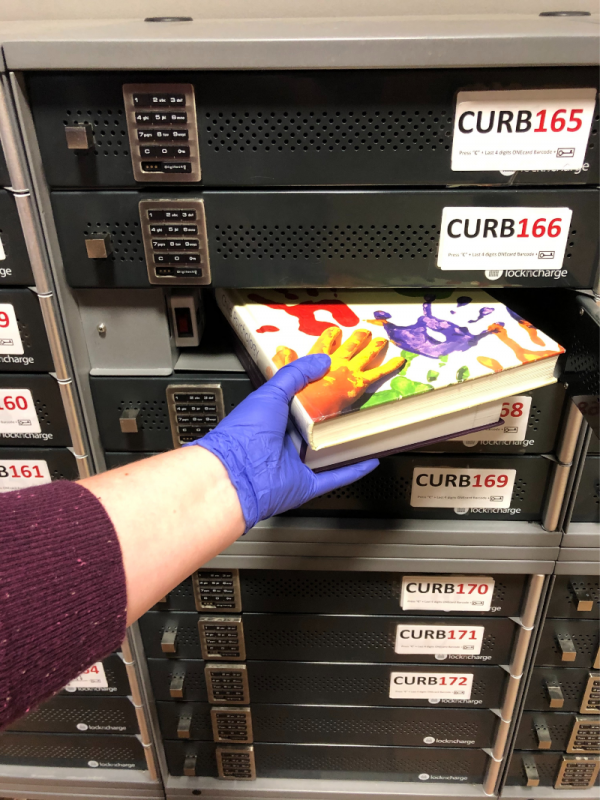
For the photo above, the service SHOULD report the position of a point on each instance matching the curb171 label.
(439, 639)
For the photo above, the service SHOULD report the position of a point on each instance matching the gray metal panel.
(54, 783)
(547, 793)
(342, 41)
(582, 534)
(135, 340)
(182, 789)
(579, 554)
(527, 562)
(577, 568)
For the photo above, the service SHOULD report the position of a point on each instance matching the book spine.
(243, 323)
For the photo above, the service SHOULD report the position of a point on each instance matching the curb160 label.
(17, 412)
(447, 487)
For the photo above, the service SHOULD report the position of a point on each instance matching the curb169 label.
(447, 487)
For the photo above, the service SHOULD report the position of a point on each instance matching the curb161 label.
(448, 487)
(16, 474)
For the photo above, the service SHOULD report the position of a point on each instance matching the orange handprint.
(355, 365)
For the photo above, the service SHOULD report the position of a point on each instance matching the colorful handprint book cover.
(397, 356)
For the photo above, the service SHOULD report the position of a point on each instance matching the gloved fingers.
(294, 377)
(335, 478)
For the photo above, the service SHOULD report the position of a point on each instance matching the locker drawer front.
(540, 436)
(300, 591)
(298, 637)
(116, 678)
(337, 725)
(17, 466)
(86, 715)
(303, 128)
(386, 492)
(553, 769)
(15, 269)
(556, 730)
(575, 597)
(335, 684)
(340, 762)
(587, 502)
(49, 412)
(113, 395)
(29, 351)
(352, 239)
(569, 643)
(578, 690)
(71, 750)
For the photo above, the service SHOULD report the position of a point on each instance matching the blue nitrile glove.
(263, 464)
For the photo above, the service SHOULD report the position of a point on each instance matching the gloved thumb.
(335, 478)
(294, 377)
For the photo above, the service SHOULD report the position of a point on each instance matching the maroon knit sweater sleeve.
(62, 591)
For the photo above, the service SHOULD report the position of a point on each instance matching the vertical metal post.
(140, 712)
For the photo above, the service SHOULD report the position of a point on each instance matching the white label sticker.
(10, 338)
(446, 593)
(2, 252)
(529, 130)
(442, 639)
(448, 487)
(92, 678)
(503, 238)
(22, 474)
(431, 685)
(512, 429)
(17, 412)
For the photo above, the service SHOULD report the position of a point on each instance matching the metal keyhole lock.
(101, 329)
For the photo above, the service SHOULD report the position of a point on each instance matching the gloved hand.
(263, 464)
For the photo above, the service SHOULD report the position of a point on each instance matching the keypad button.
(155, 214)
(177, 166)
(164, 272)
(161, 135)
(164, 151)
(159, 244)
(188, 213)
(188, 272)
(174, 244)
(182, 135)
(145, 135)
(142, 100)
(177, 116)
(158, 230)
(190, 244)
(152, 166)
(165, 99)
(143, 117)
(172, 214)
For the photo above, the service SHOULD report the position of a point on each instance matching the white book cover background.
(443, 338)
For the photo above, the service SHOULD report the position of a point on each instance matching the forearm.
(172, 513)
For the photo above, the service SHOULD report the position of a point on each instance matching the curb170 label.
(481, 238)
(10, 337)
(439, 639)
(447, 487)
(446, 593)
(431, 686)
(527, 129)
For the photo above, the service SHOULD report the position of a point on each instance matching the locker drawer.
(115, 675)
(15, 269)
(328, 684)
(27, 348)
(299, 637)
(587, 502)
(569, 643)
(148, 395)
(554, 688)
(336, 762)
(351, 239)
(71, 750)
(43, 410)
(575, 597)
(301, 591)
(317, 724)
(559, 770)
(21, 467)
(540, 436)
(386, 492)
(81, 716)
(303, 128)
(571, 733)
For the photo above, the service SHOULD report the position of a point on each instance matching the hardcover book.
(399, 357)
